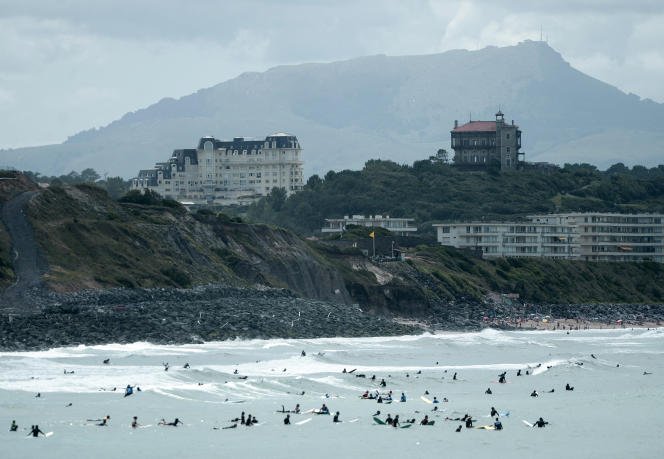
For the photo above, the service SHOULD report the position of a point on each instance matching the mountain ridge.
(392, 107)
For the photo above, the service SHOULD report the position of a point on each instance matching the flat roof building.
(591, 236)
(399, 226)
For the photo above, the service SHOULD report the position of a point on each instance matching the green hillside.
(432, 191)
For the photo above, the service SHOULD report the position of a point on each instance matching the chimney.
(456, 124)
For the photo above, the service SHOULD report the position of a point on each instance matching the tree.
(441, 157)
(276, 198)
(89, 176)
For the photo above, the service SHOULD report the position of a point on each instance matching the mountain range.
(399, 108)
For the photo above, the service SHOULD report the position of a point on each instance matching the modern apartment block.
(399, 226)
(478, 144)
(234, 171)
(575, 236)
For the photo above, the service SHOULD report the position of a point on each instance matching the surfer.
(34, 431)
(518, 372)
(534, 394)
(242, 419)
(134, 422)
(454, 377)
(303, 354)
(128, 390)
(13, 427)
(403, 397)
(382, 383)
(540, 423)
(498, 425)
(568, 387)
(493, 412)
(425, 421)
(107, 361)
(458, 429)
(501, 378)
(551, 391)
(287, 420)
(395, 422)
(488, 391)
(173, 424)
(297, 409)
(104, 421)
(435, 400)
(469, 422)
(324, 409)
(389, 419)
(336, 417)
(166, 366)
(186, 365)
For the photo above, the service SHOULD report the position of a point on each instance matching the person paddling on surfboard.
(568, 387)
(540, 423)
(13, 427)
(425, 421)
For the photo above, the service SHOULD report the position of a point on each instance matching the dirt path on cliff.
(28, 262)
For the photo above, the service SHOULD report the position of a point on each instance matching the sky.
(70, 65)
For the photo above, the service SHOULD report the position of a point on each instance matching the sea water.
(614, 411)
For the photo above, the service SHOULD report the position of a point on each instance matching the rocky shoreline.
(178, 316)
(216, 312)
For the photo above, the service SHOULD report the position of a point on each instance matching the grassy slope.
(541, 280)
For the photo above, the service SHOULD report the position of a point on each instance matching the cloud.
(66, 66)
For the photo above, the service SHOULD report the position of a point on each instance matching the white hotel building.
(234, 171)
(576, 236)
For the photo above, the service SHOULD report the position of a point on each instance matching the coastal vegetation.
(432, 191)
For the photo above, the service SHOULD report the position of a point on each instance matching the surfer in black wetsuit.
(13, 427)
(568, 387)
(287, 420)
(501, 378)
(383, 383)
(454, 377)
(425, 421)
(134, 422)
(34, 431)
(540, 423)
(174, 423)
(104, 421)
(458, 429)
(469, 422)
(534, 394)
(336, 417)
(395, 422)
(493, 412)
(488, 391)
(498, 425)
(389, 420)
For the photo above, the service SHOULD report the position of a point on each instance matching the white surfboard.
(299, 423)
(425, 400)
(354, 420)
(48, 434)
(526, 423)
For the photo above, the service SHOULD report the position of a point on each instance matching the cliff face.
(91, 241)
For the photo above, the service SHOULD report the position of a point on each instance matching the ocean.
(613, 411)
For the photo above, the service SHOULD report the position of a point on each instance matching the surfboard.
(486, 427)
(425, 400)
(406, 426)
(377, 420)
(299, 423)
(145, 426)
(430, 423)
(354, 420)
(526, 423)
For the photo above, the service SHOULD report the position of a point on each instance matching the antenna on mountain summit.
(541, 39)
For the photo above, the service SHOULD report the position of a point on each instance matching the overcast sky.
(69, 65)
